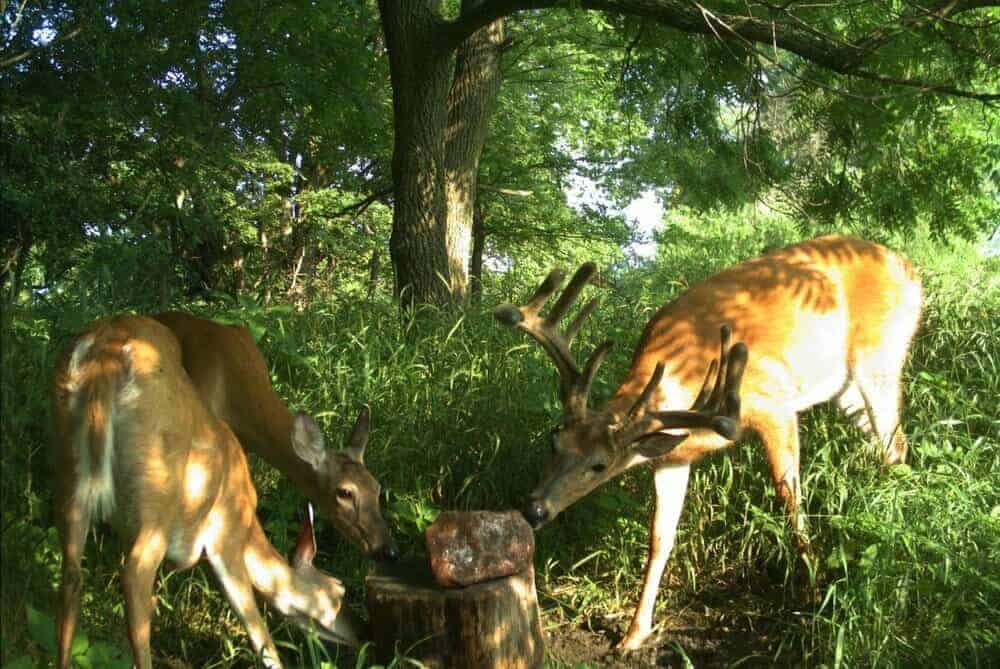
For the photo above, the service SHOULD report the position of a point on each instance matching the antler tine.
(706, 388)
(716, 408)
(654, 381)
(727, 411)
(734, 377)
(574, 385)
(526, 318)
(574, 327)
(569, 295)
(578, 395)
(512, 315)
(714, 398)
(544, 291)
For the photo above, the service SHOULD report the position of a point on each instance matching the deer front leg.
(232, 574)
(138, 578)
(671, 486)
(780, 433)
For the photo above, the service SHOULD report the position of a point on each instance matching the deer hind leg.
(671, 486)
(138, 578)
(73, 528)
(872, 399)
(235, 580)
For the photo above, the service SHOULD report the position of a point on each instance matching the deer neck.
(268, 433)
(270, 573)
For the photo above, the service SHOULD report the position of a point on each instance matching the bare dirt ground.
(719, 628)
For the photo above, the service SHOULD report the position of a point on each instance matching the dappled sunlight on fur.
(182, 483)
(818, 318)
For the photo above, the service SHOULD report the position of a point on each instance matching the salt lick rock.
(468, 547)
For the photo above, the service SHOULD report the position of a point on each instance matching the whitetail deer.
(134, 444)
(230, 375)
(828, 318)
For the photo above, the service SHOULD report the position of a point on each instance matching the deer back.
(805, 313)
(230, 374)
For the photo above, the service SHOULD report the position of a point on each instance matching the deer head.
(591, 447)
(318, 594)
(354, 505)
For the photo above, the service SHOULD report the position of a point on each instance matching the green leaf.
(42, 629)
(23, 662)
(901, 471)
(80, 644)
(103, 655)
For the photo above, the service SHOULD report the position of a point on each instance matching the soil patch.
(721, 628)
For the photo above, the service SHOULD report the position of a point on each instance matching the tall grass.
(462, 412)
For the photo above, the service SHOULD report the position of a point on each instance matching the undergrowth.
(462, 412)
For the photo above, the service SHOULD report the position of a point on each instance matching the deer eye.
(345, 494)
(598, 468)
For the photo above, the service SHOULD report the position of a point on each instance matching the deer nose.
(390, 553)
(535, 513)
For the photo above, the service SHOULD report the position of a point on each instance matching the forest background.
(360, 183)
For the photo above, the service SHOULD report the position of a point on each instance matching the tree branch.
(17, 58)
(511, 192)
(357, 208)
(789, 33)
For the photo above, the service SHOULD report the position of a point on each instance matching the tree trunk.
(490, 625)
(476, 264)
(210, 251)
(439, 137)
(16, 252)
(419, 68)
(471, 103)
(239, 259)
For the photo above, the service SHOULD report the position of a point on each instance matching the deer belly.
(796, 388)
(809, 367)
(185, 548)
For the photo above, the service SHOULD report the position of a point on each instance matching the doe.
(134, 444)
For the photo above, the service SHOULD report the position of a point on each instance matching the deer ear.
(658, 444)
(305, 546)
(307, 440)
(359, 436)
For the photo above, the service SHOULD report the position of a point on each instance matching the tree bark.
(373, 269)
(419, 68)
(476, 264)
(491, 625)
(471, 103)
(440, 132)
(16, 252)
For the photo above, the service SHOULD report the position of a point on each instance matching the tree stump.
(489, 625)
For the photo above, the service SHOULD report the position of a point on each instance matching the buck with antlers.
(830, 318)
(230, 374)
(135, 444)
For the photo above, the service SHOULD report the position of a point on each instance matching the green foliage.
(233, 159)
(907, 556)
(217, 156)
(86, 655)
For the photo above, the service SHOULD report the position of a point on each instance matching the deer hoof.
(634, 640)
